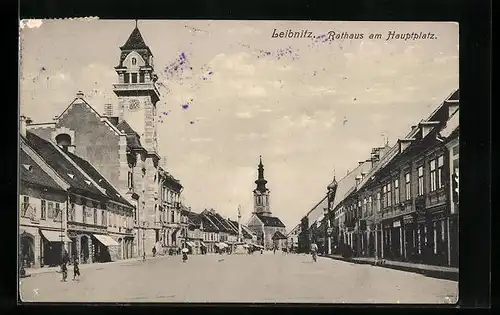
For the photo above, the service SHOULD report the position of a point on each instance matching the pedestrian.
(154, 251)
(64, 268)
(76, 268)
(314, 251)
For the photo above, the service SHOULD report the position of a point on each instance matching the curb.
(446, 275)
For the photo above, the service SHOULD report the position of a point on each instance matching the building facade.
(89, 203)
(123, 143)
(402, 209)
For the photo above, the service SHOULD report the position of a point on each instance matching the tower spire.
(261, 182)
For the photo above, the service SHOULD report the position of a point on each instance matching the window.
(95, 216)
(433, 175)
(389, 195)
(43, 209)
(396, 191)
(420, 180)
(141, 77)
(84, 211)
(370, 205)
(384, 196)
(103, 218)
(407, 186)
(110, 221)
(50, 210)
(25, 205)
(126, 78)
(71, 216)
(114, 220)
(134, 61)
(378, 202)
(134, 77)
(172, 216)
(440, 183)
(130, 180)
(365, 207)
(58, 214)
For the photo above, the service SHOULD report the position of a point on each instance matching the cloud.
(244, 115)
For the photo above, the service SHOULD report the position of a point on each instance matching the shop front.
(52, 243)
(105, 248)
(410, 237)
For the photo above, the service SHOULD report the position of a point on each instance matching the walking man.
(76, 268)
(64, 262)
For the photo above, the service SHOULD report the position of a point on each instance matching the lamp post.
(326, 244)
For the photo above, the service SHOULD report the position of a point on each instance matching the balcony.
(131, 89)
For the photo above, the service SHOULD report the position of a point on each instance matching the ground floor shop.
(40, 247)
(429, 238)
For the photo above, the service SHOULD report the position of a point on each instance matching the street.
(239, 278)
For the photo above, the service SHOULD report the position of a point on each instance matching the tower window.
(134, 61)
(126, 78)
(134, 77)
(141, 77)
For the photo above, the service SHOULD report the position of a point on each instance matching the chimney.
(71, 148)
(363, 174)
(22, 125)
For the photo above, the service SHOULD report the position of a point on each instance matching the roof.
(451, 125)
(35, 175)
(208, 225)
(60, 162)
(348, 182)
(135, 41)
(123, 126)
(317, 211)
(226, 227)
(247, 232)
(193, 217)
(270, 221)
(278, 235)
(111, 192)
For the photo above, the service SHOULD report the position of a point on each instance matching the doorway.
(28, 250)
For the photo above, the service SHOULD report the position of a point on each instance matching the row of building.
(399, 204)
(66, 202)
(97, 185)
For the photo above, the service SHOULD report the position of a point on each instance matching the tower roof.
(261, 182)
(135, 41)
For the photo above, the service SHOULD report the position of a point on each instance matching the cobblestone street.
(239, 278)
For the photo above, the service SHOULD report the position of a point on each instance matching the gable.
(254, 220)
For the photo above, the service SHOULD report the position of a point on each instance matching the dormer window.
(27, 167)
(71, 175)
(88, 182)
(134, 61)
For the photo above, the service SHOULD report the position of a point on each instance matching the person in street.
(64, 267)
(184, 256)
(76, 268)
(314, 251)
(154, 251)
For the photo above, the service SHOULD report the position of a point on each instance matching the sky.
(312, 107)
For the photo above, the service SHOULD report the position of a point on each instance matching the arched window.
(134, 61)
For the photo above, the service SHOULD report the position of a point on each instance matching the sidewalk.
(57, 269)
(441, 272)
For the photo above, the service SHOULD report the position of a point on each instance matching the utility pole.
(239, 223)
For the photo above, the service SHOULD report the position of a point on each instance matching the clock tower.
(136, 89)
(137, 98)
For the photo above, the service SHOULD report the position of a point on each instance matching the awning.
(221, 245)
(203, 244)
(191, 244)
(54, 236)
(106, 240)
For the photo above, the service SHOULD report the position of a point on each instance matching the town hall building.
(270, 230)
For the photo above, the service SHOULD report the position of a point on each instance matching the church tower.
(261, 193)
(136, 90)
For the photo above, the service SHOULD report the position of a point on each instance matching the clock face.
(134, 104)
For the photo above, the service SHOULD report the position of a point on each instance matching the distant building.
(262, 223)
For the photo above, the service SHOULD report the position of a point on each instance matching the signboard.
(408, 219)
(396, 224)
